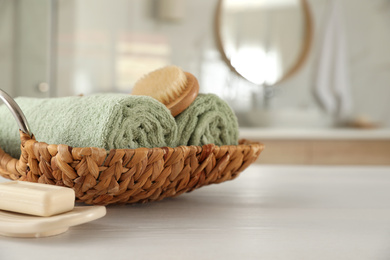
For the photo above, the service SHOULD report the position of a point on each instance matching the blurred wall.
(108, 45)
(105, 45)
(7, 28)
(368, 39)
(25, 46)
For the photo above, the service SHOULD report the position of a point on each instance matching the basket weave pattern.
(103, 177)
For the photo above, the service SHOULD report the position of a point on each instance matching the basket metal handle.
(16, 112)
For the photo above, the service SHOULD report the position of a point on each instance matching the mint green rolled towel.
(109, 121)
(207, 120)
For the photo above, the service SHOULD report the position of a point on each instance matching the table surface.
(269, 212)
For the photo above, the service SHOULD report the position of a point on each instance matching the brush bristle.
(165, 84)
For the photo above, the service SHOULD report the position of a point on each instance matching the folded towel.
(207, 120)
(107, 121)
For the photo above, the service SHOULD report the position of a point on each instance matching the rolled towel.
(207, 120)
(109, 121)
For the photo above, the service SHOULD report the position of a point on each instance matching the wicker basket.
(104, 177)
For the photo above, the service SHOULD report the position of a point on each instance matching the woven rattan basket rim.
(103, 177)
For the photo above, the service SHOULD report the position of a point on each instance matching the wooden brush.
(171, 86)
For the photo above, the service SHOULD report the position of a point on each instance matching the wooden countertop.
(315, 134)
(269, 212)
(331, 146)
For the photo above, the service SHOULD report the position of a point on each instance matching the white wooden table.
(269, 212)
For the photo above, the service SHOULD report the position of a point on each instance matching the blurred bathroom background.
(294, 71)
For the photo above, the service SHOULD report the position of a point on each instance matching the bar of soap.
(35, 198)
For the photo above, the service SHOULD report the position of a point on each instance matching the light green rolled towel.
(207, 120)
(109, 121)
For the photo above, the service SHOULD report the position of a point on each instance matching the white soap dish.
(21, 225)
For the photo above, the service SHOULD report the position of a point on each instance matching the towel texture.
(103, 120)
(207, 120)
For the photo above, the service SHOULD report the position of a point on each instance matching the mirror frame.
(305, 49)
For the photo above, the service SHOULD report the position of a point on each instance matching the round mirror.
(264, 41)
